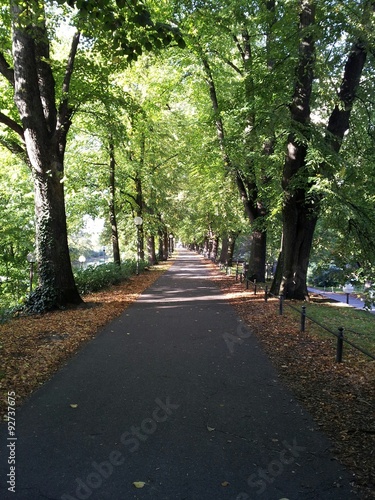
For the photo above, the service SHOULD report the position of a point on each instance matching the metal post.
(340, 345)
(266, 294)
(31, 275)
(303, 318)
(138, 250)
(255, 287)
(347, 298)
(281, 300)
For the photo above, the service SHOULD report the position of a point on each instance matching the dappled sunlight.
(155, 299)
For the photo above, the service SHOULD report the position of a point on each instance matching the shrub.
(94, 278)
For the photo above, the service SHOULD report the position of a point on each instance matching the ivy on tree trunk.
(43, 131)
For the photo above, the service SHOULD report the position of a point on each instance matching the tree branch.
(165, 161)
(16, 149)
(70, 64)
(338, 123)
(13, 125)
(230, 63)
(64, 108)
(6, 70)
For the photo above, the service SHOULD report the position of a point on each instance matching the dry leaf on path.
(139, 484)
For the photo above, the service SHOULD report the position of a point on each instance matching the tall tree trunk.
(230, 252)
(301, 208)
(165, 245)
(224, 250)
(276, 282)
(299, 212)
(44, 131)
(215, 248)
(161, 246)
(257, 262)
(141, 239)
(247, 188)
(112, 205)
(151, 250)
(56, 281)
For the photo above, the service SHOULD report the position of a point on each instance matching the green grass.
(359, 326)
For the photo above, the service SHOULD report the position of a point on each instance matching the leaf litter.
(339, 396)
(33, 348)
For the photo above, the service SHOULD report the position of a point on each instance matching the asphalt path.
(177, 396)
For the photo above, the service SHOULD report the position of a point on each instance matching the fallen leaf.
(139, 484)
(210, 429)
(225, 483)
(74, 405)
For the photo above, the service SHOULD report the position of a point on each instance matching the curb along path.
(174, 399)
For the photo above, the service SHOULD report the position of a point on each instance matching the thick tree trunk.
(230, 251)
(44, 132)
(254, 209)
(56, 281)
(215, 248)
(299, 211)
(298, 232)
(161, 246)
(257, 262)
(256, 212)
(151, 250)
(165, 245)
(224, 250)
(112, 207)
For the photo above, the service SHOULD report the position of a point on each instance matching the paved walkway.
(178, 395)
(341, 297)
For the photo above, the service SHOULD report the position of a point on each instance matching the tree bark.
(165, 245)
(299, 211)
(151, 250)
(224, 250)
(215, 248)
(55, 276)
(112, 205)
(257, 261)
(301, 208)
(161, 246)
(254, 209)
(231, 244)
(44, 132)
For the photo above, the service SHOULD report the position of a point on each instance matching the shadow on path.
(177, 394)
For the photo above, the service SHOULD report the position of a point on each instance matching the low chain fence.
(263, 289)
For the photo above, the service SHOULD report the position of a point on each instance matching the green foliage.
(94, 278)
(126, 29)
(327, 275)
(158, 114)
